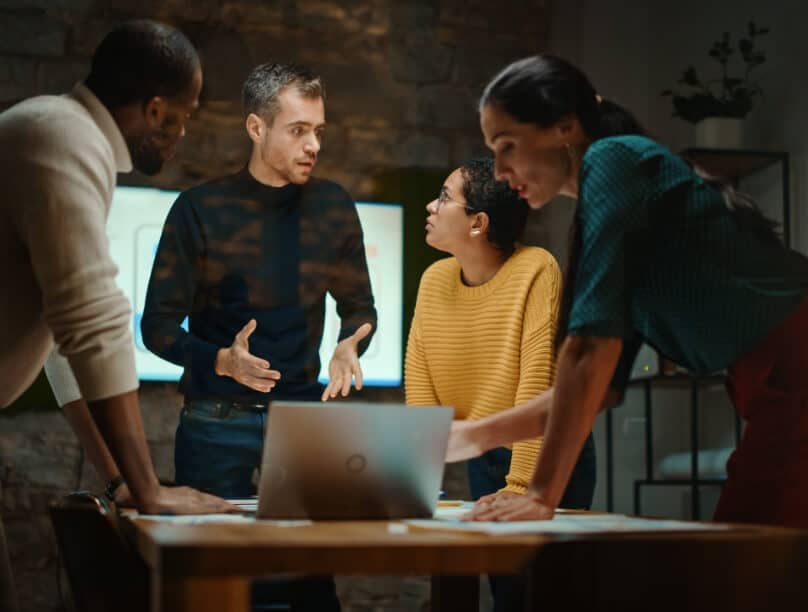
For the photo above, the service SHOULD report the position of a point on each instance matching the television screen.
(134, 227)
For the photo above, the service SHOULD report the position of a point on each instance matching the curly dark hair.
(507, 212)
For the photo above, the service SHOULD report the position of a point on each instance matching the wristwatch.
(112, 486)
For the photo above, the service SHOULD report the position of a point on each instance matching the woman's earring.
(475, 232)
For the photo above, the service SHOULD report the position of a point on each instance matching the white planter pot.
(719, 133)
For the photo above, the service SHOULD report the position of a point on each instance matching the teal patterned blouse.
(665, 261)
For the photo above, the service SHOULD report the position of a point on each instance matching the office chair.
(8, 595)
(104, 573)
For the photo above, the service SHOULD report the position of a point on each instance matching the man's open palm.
(344, 365)
(249, 370)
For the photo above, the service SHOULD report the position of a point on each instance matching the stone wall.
(402, 76)
(402, 81)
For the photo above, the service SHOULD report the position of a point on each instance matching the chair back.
(104, 573)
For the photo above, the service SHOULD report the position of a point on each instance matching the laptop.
(352, 460)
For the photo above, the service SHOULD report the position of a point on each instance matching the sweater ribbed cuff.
(62, 382)
(513, 487)
(105, 374)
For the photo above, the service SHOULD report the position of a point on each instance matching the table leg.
(460, 593)
(199, 593)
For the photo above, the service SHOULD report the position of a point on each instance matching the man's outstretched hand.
(344, 365)
(243, 367)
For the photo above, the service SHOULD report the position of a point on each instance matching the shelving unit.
(737, 164)
(695, 384)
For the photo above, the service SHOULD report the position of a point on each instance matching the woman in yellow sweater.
(482, 334)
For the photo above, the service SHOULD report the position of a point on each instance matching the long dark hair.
(543, 89)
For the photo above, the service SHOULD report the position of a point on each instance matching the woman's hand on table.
(507, 506)
(487, 500)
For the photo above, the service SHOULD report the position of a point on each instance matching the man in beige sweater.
(60, 156)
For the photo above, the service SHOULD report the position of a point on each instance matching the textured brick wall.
(402, 80)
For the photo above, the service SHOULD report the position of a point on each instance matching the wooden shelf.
(732, 164)
(680, 380)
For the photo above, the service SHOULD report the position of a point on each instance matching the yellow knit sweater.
(484, 349)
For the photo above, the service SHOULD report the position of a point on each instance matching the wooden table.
(207, 567)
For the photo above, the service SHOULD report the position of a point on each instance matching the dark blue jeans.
(218, 449)
(487, 475)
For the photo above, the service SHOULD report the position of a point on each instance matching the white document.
(564, 523)
(209, 519)
(196, 519)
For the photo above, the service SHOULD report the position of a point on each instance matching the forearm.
(164, 336)
(349, 323)
(519, 423)
(352, 291)
(78, 415)
(120, 423)
(584, 370)
(528, 420)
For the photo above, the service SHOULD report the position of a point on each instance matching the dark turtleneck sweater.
(234, 249)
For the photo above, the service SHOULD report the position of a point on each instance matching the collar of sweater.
(106, 123)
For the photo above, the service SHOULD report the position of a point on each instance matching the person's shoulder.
(633, 146)
(219, 186)
(53, 107)
(328, 190)
(441, 272)
(331, 204)
(624, 168)
(533, 257)
(58, 124)
(532, 262)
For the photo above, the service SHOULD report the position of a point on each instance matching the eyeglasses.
(444, 198)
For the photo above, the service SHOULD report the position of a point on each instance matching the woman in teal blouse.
(662, 256)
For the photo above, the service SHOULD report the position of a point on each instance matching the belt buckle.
(248, 407)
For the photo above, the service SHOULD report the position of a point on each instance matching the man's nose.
(312, 145)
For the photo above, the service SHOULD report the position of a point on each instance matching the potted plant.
(718, 106)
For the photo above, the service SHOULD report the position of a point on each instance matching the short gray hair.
(265, 83)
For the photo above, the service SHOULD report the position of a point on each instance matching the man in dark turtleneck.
(249, 258)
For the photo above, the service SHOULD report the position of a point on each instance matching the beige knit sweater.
(59, 156)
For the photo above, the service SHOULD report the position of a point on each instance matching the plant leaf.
(728, 95)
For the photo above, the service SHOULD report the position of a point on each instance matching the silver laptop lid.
(352, 460)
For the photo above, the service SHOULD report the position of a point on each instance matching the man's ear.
(255, 127)
(154, 111)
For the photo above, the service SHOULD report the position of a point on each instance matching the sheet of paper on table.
(448, 516)
(564, 522)
(248, 506)
(199, 519)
